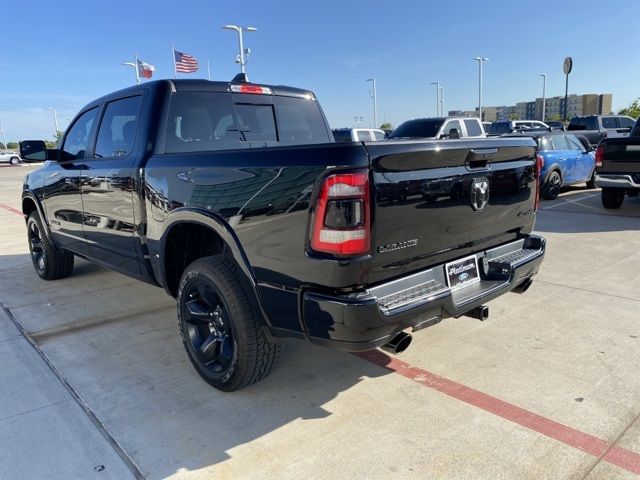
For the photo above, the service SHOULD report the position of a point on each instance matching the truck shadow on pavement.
(134, 375)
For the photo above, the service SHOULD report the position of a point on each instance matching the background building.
(588, 104)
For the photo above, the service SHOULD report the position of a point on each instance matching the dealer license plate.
(462, 273)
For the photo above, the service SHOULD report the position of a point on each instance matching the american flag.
(185, 63)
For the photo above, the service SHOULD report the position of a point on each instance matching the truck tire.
(551, 188)
(591, 183)
(50, 262)
(220, 326)
(612, 198)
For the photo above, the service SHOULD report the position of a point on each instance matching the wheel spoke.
(207, 351)
(198, 312)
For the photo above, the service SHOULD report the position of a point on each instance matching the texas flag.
(145, 69)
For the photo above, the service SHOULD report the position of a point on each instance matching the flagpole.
(208, 70)
(173, 55)
(137, 68)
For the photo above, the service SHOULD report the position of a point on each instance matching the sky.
(67, 53)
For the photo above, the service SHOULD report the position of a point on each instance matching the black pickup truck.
(618, 168)
(233, 197)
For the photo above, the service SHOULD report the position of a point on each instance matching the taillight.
(251, 89)
(341, 223)
(539, 167)
(599, 155)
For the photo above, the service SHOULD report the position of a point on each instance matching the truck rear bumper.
(369, 319)
(609, 180)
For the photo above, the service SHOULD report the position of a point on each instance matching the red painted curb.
(11, 209)
(597, 447)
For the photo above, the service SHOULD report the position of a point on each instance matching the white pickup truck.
(440, 128)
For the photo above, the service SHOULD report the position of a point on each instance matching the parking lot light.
(242, 57)
(480, 61)
(55, 120)
(437, 84)
(544, 87)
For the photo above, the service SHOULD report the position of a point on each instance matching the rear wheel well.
(187, 242)
(28, 207)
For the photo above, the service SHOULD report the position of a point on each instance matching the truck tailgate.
(621, 155)
(436, 201)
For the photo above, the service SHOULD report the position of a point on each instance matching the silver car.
(10, 157)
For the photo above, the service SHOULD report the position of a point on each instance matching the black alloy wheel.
(36, 248)
(221, 325)
(552, 186)
(208, 329)
(49, 262)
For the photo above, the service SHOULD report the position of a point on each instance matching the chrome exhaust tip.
(398, 344)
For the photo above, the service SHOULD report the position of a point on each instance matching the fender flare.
(210, 220)
(221, 227)
(29, 195)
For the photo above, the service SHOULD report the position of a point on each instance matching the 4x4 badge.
(479, 193)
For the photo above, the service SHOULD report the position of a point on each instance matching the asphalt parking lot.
(548, 387)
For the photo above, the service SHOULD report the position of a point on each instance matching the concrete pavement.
(546, 388)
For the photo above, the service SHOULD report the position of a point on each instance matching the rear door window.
(377, 136)
(574, 143)
(117, 132)
(473, 128)
(453, 124)
(545, 144)
(363, 136)
(626, 122)
(559, 142)
(610, 122)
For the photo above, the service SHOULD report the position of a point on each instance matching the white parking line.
(571, 201)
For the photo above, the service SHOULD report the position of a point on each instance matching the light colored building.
(587, 104)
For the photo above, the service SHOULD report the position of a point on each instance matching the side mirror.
(454, 133)
(33, 150)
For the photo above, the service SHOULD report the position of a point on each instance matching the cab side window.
(117, 133)
(78, 138)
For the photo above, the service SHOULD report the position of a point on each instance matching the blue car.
(568, 160)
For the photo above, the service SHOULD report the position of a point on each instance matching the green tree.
(2, 146)
(386, 126)
(633, 110)
(555, 118)
(54, 143)
(12, 145)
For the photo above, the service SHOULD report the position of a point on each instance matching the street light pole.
(480, 61)
(441, 90)
(241, 59)
(544, 91)
(4, 140)
(55, 119)
(437, 84)
(375, 101)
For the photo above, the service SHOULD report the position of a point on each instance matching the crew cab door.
(108, 187)
(62, 180)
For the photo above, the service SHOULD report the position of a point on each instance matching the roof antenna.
(240, 78)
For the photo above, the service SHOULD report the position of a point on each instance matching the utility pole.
(375, 101)
(480, 61)
(242, 57)
(544, 100)
(208, 70)
(437, 84)
(441, 90)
